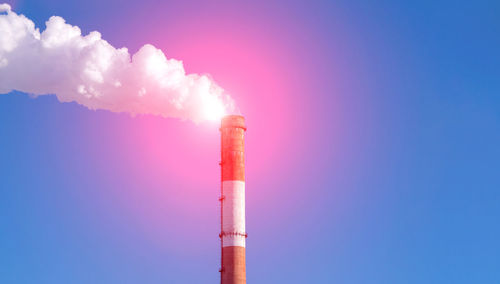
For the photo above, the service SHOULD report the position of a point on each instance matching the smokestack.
(232, 200)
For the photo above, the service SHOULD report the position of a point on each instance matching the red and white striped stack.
(232, 199)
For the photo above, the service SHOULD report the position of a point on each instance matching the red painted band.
(233, 148)
(233, 265)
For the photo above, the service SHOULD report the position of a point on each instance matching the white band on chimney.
(233, 241)
(233, 210)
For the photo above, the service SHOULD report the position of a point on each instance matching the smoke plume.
(90, 71)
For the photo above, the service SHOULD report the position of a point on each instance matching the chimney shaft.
(232, 200)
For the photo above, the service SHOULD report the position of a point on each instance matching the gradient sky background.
(372, 148)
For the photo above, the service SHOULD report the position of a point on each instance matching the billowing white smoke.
(91, 72)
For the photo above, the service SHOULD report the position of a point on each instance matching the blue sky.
(372, 149)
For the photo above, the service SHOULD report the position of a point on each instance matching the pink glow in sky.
(255, 69)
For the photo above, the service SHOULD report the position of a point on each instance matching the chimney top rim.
(233, 121)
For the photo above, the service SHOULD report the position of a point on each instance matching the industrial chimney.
(232, 200)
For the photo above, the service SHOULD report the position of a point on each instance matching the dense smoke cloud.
(89, 71)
